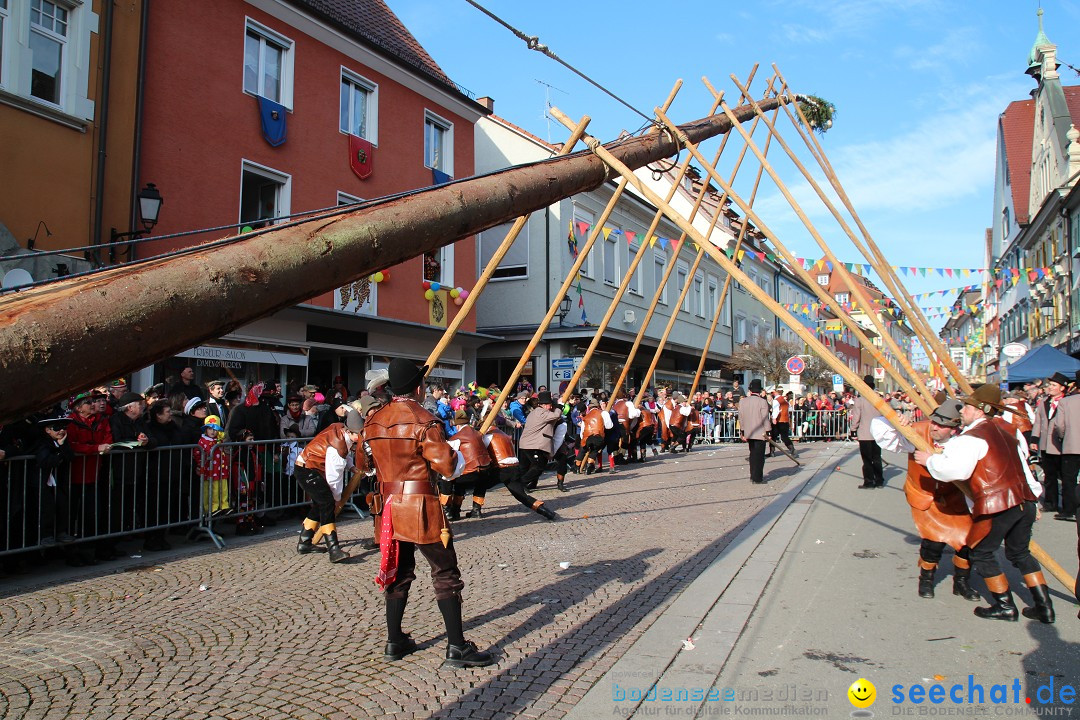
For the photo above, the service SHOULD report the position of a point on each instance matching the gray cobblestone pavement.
(256, 631)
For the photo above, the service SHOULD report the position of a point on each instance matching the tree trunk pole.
(493, 264)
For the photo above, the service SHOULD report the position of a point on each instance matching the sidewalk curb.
(719, 601)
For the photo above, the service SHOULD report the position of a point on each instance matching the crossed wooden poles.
(706, 243)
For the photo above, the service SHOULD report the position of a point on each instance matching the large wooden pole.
(856, 288)
(827, 299)
(735, 253)
(873, 253)
(493, 264)
(546, 322)
(762, 296)
(127, 316)
(625, 284)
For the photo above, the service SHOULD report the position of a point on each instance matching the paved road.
(276, 635)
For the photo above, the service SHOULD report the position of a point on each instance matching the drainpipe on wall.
(136, 155)
(103, 128)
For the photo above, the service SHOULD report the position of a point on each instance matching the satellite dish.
(17, 277)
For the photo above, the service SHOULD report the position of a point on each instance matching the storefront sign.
(242, 355)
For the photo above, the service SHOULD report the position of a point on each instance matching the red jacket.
(85, 436)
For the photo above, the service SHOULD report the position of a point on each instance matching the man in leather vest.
(755, 425)
(320, 471)
(986, 461)
(410, 453)
(938, 509)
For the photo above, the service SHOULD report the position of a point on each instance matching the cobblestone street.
(277, 635)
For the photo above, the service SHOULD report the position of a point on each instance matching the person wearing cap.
(53, 456)
(755, 425)
(1065, 436)
(320, 471)
(938, 508)
(862, 414)
(988, 462)
(117, 389)
(534, 451)
(410, 453)
(1044, 442)
(213, 466)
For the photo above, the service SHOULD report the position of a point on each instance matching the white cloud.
(957, 48)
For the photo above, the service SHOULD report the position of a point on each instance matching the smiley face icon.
(862, 693)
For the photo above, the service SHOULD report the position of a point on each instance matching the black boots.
(1043, 610)
(467, 655)
(476, 512)
(961, 584)
(334, 548)
(926, 582)
(542, 509)
(452, 512)
(562, 483)
(1002, 609)
(399, 645)
(304, 544)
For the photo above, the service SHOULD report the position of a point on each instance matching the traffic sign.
(795, 365)
(562, 363)
(837, 379)
(879, 373)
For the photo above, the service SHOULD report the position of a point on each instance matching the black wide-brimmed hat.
(405, 376)
(869, 380)
(755, 386)
(1060, 379)
(544, 398)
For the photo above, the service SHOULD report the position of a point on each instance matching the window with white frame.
(823, 280)
(611, 258)
(659, 266)
(48, 46)
(5, 23)
(583, 219)
(843, 298)
(713, 296)
(359, 107)
(438, 143)
(682, 271)
(740, 329)
(698, 292)
(344, 198)
(268, 63)
(515, 264)
(264, 195)
(634, 286)
(439, 266)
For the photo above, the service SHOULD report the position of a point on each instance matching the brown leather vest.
(998, 482)
(1018, 411)
(784, 415)
(313, 457)
(399, 433)
(677, 420)
(473, 449)
(594, 425)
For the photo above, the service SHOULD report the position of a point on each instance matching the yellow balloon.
(429, 294)
(379, 277)
(454, 293)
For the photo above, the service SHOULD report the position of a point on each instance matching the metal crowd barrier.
(805, 425)
(135, 491)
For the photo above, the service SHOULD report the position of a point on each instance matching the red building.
(249, 110)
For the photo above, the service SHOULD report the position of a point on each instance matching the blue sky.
(918, 86)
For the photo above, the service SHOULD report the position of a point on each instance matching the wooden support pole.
(735, 253)
(827, 299)
(546, 322)
(493, 264)
(625, 284)
(856, 288)
(675, 309)
(877, 259)
(762, 296)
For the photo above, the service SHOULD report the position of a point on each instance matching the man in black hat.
(988, 462)
(1048, 446)
(755, 426)
(534, 452)
(54, 456)
(410, 454)
(862, 413)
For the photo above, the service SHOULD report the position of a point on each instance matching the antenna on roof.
(548, 87)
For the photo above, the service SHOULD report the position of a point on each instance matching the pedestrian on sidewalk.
(862, 414)
(755, 425)
(988, 460)
(410, 453)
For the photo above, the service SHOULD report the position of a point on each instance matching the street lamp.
(150, 202)
(1047, 308)
(564, 308)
